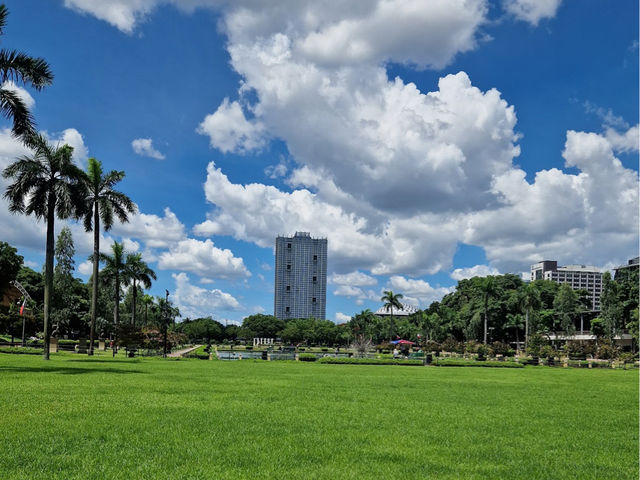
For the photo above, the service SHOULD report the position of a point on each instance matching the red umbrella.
(405, 342)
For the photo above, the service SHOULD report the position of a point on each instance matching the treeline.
(123, 309)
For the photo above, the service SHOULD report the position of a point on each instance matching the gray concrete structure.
(579, 277)
(300, 277)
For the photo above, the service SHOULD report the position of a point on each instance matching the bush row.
(458, 362)
(368, 361)
(21, 350)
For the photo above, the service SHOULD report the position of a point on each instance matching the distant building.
(623, 271)
(301, 277)
(579, 277)
(405, 312)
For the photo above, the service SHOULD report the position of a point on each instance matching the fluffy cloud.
(417, 292)
(532, 11)
(203, 258)
(155, 231)
(356, 278)
(342, 318)
(86, 267)
(475, 271)
(625, 141)
(144, 148)
(230, 131)
(194, 301)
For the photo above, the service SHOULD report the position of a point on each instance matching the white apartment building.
(579, 277)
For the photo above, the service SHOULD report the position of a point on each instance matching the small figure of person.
(395, 352)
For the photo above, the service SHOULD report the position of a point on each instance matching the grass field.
(103, 418)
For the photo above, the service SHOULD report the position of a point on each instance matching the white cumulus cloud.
(144, 148)
(194, 301)
(475, 271)
(532, 11)
(203, 258)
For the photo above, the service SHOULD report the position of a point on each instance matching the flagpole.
(23, 320)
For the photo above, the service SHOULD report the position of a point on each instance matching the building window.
(315, 279)
(313, 299)
(288, 245)
(315, 258)
(288, 287)
(288, 267)
(286, 309)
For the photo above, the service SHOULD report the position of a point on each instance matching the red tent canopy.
(405, 342)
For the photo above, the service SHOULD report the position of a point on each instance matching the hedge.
(307, 357)
(21, 350)
(455, 362)
(368, 361)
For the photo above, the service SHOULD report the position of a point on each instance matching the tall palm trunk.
(48, 269)
(526, 329)
(133, 309)
(486, 314)
(94, 287)
(146, 308)
(391, 325)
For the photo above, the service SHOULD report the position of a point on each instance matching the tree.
(262, 326)
(101, 203)
(63, 280)
(10, 264)
(611, 308)
(529, 300)
(391, 300)
(566, 306)
(115, 272)
(488, 288)
(18, 66)
(46, 184)
(138, 271)
(146, 301)
(515, 321)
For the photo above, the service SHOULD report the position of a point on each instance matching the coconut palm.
(146, 301)
(19, 67)
(101, 203)
(138, 271)
(529, 300)
(489, 289)
(392, 300)
(115, 270)
(46, 184)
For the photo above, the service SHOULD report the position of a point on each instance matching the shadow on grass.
(104, 360)
(66, 370)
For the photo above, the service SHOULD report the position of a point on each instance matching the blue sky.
(428, 140)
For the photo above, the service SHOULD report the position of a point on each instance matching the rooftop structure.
(406, 311)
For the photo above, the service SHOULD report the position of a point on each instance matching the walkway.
(180, 353)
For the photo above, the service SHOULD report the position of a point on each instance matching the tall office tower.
(579, 277)
(301, 277)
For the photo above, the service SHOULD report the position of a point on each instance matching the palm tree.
(488, 288)
(138, 271)
(146, 301)
(17, 66)
(46, 184)
(529, 300)
(515, 321)
(391, 300)
(115, 269)
(101, 202)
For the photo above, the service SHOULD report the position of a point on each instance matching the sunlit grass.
(102, 418)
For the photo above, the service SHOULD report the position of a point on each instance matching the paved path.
(180, 353)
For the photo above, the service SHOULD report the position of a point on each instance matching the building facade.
(579, 277)
(300, 277)
(624, 271)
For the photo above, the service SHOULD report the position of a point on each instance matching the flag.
(22, 306)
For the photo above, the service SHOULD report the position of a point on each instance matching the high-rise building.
(624, 271)
(301, 277)
(579, 277)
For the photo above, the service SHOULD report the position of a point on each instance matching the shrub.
(574, 350)
(249, 347)
(432, 346)
(607, 351)
(535, 344)
(471, 347)
(452, 345)
(307, 357)
(627, 357)
(547, 352)
(501, 348)
(385, 346)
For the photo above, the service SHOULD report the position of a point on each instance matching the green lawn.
(103, 418)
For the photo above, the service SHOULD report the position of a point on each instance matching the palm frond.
(12, 107)
(19, 67)
(4, 13)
